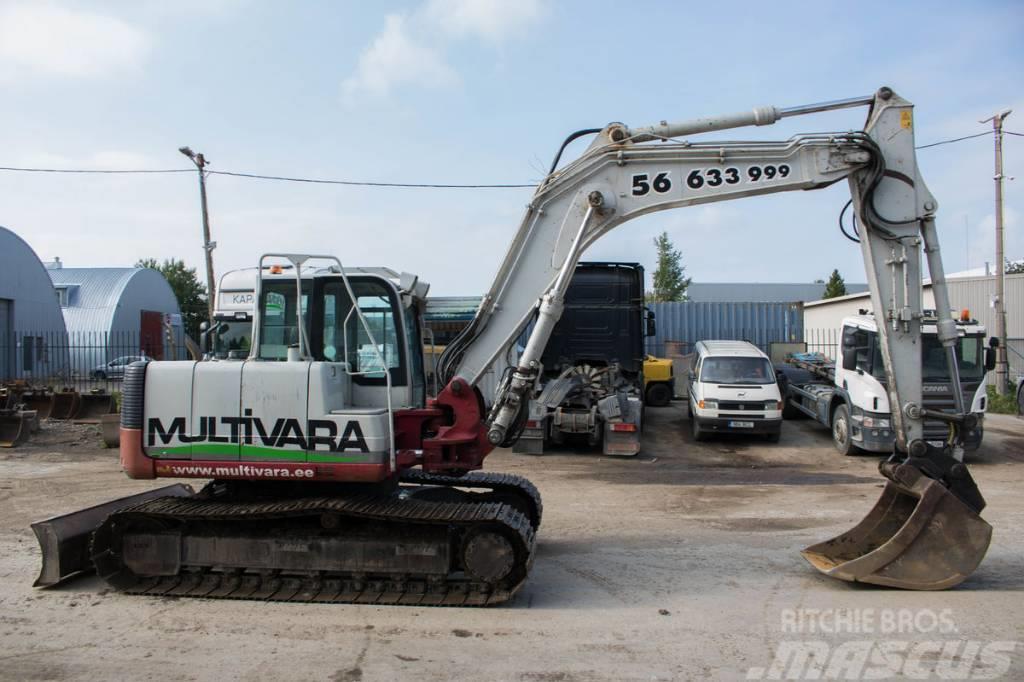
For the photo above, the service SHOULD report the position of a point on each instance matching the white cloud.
(42, 38)
(492, 20)
(410, 50)
(395, 58)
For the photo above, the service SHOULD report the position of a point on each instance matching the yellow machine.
(659, 381)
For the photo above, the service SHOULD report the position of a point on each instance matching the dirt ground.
(681, 563)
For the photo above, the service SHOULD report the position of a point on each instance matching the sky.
(472, 92)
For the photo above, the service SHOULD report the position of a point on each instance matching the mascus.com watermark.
(879, 644)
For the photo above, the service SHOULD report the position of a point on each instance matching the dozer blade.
(14, 429)
(64, 540)
(918, 536)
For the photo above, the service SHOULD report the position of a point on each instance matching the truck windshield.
(736, 370)
(970, 357)
(232, 339)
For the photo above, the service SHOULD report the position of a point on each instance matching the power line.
(280, 178)
(955, 139)
(93, 170)
(354, 183)
(357, 183)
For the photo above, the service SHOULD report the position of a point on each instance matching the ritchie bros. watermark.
(877, 644)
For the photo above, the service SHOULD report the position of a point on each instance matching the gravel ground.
(681, 563)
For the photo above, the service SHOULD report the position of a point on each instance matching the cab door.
(274, 390)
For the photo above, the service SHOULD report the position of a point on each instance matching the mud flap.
(64, 540)
(918, 536)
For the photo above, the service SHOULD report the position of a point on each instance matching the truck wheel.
(659, 395)
(841, 435)
(1020, 398)
(699, 434)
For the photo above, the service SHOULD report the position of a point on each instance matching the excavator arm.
(626, 173)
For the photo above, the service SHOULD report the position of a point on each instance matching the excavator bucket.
(918, 536)
(92, 406)
(41, 403)
(64, 540)
(64, 405)
(14, 429)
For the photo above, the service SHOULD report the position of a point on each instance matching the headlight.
(708, 404)
(773, 404)
(875, 423)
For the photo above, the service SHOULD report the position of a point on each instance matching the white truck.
(850, 396)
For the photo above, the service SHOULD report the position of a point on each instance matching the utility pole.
(208, 246)
(1002, 369)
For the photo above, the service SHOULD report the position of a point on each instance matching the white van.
(732, 388)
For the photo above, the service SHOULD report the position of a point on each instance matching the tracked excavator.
(334, 479)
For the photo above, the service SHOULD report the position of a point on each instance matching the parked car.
(115, 368)
(732, 388)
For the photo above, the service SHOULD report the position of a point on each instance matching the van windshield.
(736, 370)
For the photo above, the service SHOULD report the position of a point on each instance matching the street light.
(208, 246)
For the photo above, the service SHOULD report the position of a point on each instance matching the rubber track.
(483, 479)
(424, 591)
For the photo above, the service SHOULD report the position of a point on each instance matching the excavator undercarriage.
(430, 540)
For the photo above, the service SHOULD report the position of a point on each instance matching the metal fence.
(83, 361)
(681, 325)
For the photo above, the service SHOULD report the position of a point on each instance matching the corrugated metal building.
(973, 293)
(30, 319)
(112, 312)
(760, 292)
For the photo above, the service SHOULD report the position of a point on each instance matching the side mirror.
(991, 353)
(651, 327)
(849, 357)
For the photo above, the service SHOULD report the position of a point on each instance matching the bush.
(1001, 404)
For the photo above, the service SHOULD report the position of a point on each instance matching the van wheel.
(659, 395)
(773, 437)
(699, 434)
(841, 435)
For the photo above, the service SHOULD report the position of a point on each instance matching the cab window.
(278, 325)
(342, 338)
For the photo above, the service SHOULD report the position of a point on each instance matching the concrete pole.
(208, 246)
(1002, 368)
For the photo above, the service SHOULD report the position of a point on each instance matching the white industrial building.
(974, 293)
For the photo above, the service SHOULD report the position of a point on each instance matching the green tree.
(835, 286)
(669, 281)
(187, 288)
(1015, 267)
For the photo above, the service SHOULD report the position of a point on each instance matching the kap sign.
(236, 300)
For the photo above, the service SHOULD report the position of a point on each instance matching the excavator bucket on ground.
(92, 406)
(64, 540)
(40, 402)
(14, 428)
(64, 405)
(918, 536)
